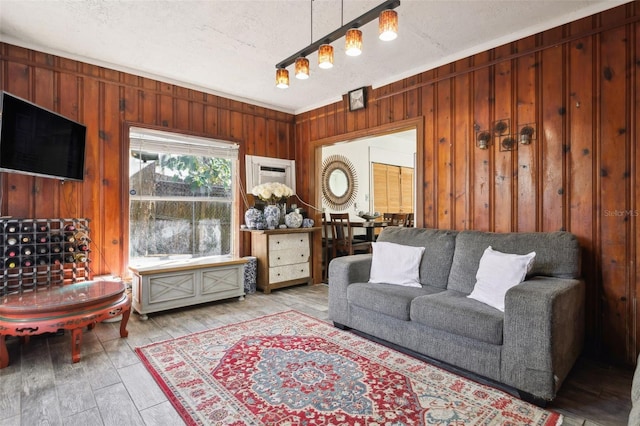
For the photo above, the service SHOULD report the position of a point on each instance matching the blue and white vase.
(251, 218)
(272, 216)
(293, 220)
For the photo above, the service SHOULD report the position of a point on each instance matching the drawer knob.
(278, 257)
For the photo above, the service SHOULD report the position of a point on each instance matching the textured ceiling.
(231, 47)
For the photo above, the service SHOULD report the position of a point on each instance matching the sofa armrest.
(543, 333)
(342, 272)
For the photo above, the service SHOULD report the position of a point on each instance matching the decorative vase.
(272, 216)
(283, 212)
(293, 220)
(251, 218)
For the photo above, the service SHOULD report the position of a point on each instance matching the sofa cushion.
(388, 299)
(438, 246)
(557, 254)
(453, 312)
(398, 264)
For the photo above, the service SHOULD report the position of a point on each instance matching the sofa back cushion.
(557, 254)
(438, 246)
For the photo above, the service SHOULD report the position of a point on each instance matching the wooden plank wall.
(108, 102)
(579, 84)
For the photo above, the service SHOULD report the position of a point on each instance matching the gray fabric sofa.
(531, 347)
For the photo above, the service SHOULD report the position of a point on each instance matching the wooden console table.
(69, 307)
(284, 256)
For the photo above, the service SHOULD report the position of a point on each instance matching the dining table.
(370, 226)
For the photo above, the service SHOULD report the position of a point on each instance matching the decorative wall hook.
(526, 134)
(482, 139)
(508, 144)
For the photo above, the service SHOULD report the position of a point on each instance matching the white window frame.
(151, 140)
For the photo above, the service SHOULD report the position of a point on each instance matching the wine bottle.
(56, 260)
(69, 228)
(56, 248)
(12, 228)
(55, 238)
(83, 247)
(69, 258)
(42, 260)
(42, 249)
(42, 227)
(11, 252)
(81, 257)
(11, 240)
(27, 250)
(69, 248)
(69, 238)
(26, 239)
(26, 228)
(42, 238)
(81, 236)
(11, 263)
(27, 262)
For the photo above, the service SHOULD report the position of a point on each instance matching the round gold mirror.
(339, 182)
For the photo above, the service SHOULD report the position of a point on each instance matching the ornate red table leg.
(124, 321)
(4, 354)
(76, 341)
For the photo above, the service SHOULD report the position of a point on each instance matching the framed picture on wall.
(357, 99)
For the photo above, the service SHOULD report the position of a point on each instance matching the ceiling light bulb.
(282, 78)
(325, 56)
(302, 68)
(353, 43)
(388, 25)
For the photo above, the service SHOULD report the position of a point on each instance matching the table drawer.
(289, 256)
(288, 241)
(288, 272)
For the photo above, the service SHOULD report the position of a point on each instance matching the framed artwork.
(357, 99)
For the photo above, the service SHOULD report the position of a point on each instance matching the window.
(181, 197)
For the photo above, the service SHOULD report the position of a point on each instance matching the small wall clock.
(357, 99)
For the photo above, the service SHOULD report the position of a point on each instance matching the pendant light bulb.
(325, 56)
(353, 43)
(282, 78)
(388, 25)
(302, 68)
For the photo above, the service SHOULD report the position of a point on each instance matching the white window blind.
(156, 141)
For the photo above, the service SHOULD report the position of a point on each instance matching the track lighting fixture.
(388, 30)
(325, 56)
(302, 68)
(353, 42)
(282, 78)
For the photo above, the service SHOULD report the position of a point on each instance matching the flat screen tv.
(36, 141)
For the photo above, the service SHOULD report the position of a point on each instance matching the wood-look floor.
(110, 386)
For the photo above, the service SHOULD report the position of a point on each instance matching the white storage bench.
(185, 283)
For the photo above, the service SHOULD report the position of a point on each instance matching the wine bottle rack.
(41, 253)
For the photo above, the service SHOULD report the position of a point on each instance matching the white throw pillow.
(497, 273)
(396, 264)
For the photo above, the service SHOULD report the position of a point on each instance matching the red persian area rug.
(291, 369)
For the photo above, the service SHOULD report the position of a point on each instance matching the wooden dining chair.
(398, 219)
(343, 241)
(327, 247)
(409, 220)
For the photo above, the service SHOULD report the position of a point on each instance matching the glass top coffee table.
(69, 307)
